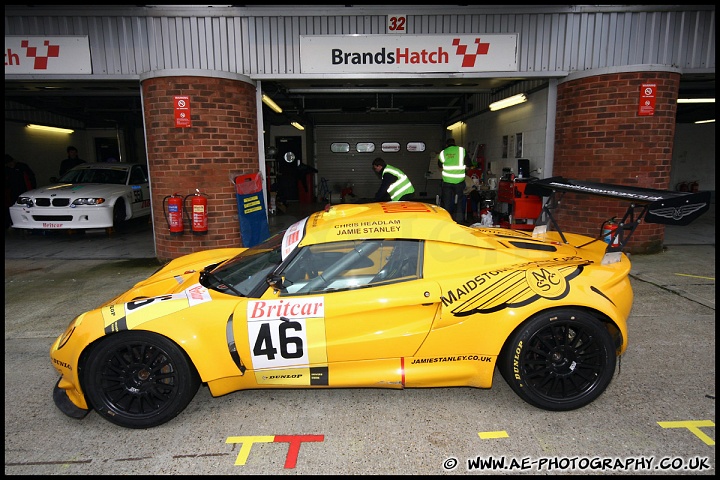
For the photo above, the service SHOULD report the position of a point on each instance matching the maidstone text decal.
(412, 53)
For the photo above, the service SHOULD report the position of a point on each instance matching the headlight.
(68, 331)
(88, 201)
(27, 201)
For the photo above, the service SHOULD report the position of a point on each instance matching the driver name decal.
(367, 228)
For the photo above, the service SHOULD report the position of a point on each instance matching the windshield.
(95, 175)
(245, 273)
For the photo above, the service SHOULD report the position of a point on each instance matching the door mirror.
(276, 282)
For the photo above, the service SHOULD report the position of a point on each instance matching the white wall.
(693, 156)
(43, 151)
(528, 118)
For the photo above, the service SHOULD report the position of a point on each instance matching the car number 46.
(278, 343)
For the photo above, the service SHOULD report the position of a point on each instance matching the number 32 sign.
(397, 24)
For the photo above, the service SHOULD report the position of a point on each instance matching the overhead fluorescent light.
(297, 125)
(508, 102)
(455, 125)
(695, 100)
(705, 121)
(270, 103)
(45, 128)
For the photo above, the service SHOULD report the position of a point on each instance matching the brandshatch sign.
(408, 53)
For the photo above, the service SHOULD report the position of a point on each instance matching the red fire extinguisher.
(198, 213)
(609, 233)
(173, 210)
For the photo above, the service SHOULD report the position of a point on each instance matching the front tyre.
(139, 379)
(559, 360)
(119, 214)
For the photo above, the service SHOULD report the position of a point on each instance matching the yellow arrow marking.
(499, 434)
(694, 427)
(694, 276)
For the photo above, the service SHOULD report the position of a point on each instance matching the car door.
(349, 301)
(141, 191)
(383, 321)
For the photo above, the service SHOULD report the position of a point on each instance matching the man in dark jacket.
(71, 161)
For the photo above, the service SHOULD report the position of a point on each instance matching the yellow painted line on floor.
(694, 276)
(498, 434)
(694, 427)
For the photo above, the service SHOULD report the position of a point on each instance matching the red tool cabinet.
(522, 210)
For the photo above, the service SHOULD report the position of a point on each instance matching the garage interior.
(117, 104)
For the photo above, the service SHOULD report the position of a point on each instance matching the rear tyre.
(139, 379)
(559, 360)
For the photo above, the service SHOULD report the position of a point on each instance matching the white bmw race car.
(91, 195)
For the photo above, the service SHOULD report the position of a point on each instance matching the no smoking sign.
(182, 112)
(646, 107)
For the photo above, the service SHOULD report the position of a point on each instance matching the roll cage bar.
(646, 204)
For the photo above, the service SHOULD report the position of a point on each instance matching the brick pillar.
(600, 137)
(221, 143)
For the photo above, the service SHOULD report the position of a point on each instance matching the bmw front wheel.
(119, 213)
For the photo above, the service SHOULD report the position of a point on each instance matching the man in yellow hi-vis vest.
(395, 184)
(452, 163)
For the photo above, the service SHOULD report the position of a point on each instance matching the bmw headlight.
(26, 201)
(88, 201)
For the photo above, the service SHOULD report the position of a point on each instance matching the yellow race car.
(383, 295)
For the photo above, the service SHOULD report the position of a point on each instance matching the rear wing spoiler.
(646, 204)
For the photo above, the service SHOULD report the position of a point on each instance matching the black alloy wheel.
(139, 379)
(559, 360)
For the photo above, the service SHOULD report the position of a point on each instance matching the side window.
(402, 263)
(415, 146)
(390, 147)
(340, 147)
(352, 264)
(365, 147)
(137, 176)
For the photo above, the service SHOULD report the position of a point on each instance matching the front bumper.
(59, 218)
(62, 401)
